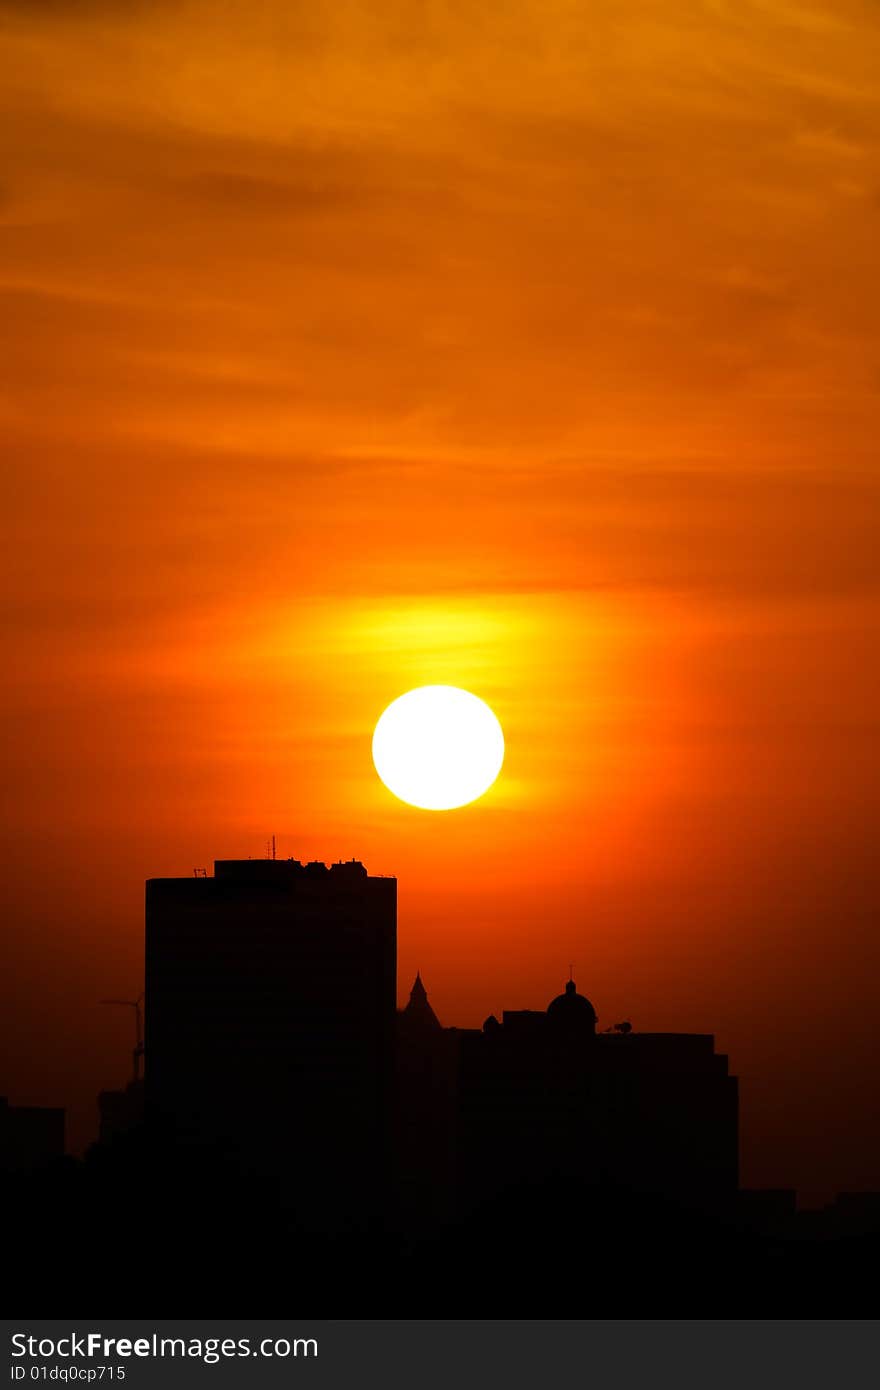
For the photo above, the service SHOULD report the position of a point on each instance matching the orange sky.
(531, 348)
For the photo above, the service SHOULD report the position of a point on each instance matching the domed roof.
(572, 1009)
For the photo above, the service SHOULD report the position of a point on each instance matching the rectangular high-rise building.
(269, 1025)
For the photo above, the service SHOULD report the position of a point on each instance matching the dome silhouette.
(572, 1010)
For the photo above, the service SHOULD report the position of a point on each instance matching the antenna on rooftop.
(138, 1050)
(273, 846)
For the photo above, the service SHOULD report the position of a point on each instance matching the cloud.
(279, 240)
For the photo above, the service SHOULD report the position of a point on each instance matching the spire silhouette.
(418, 1013)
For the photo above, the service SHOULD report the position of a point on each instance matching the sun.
(438, 747)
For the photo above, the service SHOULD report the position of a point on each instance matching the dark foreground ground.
(126, 1233)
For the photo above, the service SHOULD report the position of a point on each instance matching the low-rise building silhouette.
(31, 1136)
(542, 1098)
(426, 1114)
(120, 1111)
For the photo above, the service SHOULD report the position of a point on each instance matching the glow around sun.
(438, 747)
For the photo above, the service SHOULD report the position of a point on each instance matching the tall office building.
(269, 1025)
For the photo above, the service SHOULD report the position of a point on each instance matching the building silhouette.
(31, 1136)
(542, 1098)
(273, 1045)
(294, 1136)
(269, 1029)
(426, 1114)
(120, 1111)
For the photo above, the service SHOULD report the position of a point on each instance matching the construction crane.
(138, 1052)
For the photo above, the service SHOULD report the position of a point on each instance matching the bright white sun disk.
(438, 747)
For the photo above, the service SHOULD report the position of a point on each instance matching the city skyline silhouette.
(299, 1128)
(446, 446)
(83, 1134)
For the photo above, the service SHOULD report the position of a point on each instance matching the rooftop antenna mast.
(138, 1050)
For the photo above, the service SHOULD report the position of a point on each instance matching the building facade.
(31, 1136)
(269, 1025)
(546, 1099)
